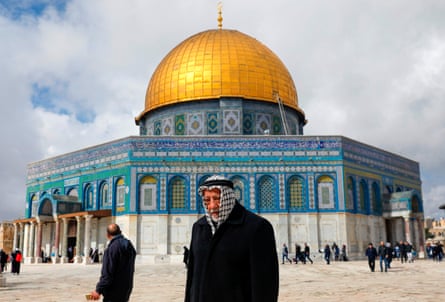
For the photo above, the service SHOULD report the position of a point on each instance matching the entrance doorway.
(71, 249)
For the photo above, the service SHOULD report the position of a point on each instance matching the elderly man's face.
(212, 202)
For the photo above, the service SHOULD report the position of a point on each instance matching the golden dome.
(220, 63)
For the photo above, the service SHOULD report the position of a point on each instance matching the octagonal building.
(220, 102)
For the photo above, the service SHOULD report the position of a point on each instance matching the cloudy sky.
(74, 73)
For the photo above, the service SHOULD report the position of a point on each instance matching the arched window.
(388, 189)
(363, 192)
(267, 193)
(415, 204)
(177, 194)
(120, 192)
(73, 192)
(88, 196)
(238, 188)
(325, 192)
(46, 208)
(147, 193)
(104, 195)
(34, 205)
(350, 193)
(295, 193)
(199, 205)
(376, 202)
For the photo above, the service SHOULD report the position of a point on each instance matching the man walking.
(382, 252)
(116, 280)
(371, 253)
(232, 255)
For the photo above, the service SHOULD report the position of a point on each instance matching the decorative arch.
(46, 208)
(177, 194)
(147, 193)
(350, 193)
(295, 193)
(34, 203)
(73, 192)
(239, 189)
(416, 204)
(104, 195)
(267, 194)
(120, 192)
(325, 190)
(376, 201)
(199, 205)
(363, 196)
(88, 196)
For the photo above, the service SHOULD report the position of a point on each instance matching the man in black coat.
(371, 253)
(116, 280)
(232, 255)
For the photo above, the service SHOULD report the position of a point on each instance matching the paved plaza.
(340, 281)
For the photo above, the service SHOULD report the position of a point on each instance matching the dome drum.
(225, 116)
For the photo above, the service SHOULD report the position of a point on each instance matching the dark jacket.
(371, 253)
(116, 280)
(238, 264)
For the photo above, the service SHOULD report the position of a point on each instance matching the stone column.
(26, 238)
(56, 258)
(87, 241)
(64, 240)
(421, 241)
(78, 255)
(32, 241)
(15, 241)
(38, 245)
(407, 229)
(22, 236)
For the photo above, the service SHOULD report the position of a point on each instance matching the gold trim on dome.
(220, 63)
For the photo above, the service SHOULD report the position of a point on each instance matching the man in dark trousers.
(116, 280)
(232, 256)
(371, 253)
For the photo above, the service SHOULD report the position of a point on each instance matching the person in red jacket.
(233, 254)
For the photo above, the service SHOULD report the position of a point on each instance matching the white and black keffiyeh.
(227, 199)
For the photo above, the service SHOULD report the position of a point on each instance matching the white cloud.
(369, 70)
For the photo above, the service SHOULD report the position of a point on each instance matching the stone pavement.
(340, 281)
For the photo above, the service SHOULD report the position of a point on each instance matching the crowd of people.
(303, 255)
(15, 259)
(434, 251)
(402, 251)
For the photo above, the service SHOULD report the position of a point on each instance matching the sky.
(73, 74)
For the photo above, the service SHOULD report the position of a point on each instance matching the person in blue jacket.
(116, 280)
(233, 254)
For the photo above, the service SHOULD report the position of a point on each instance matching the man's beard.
(214, 217)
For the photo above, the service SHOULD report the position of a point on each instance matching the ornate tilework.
(231, 121)
(262, 123)
(180, 124)
(195, 124)
(150, 130)
(157, 128)
(247, 123)
(276, 125)
(212, 123)
(167, 126)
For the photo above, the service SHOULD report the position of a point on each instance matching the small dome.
(220, 63)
